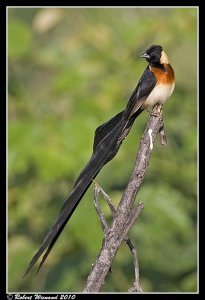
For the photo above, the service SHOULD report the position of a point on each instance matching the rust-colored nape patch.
(164, 76)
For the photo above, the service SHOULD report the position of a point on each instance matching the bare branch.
(162, 135)
(136, 287)
(125, 214)
(98, 210)
(97, 189)
(107, 198)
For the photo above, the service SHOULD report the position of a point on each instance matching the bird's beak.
(145, 55)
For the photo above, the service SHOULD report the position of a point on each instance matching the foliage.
(71, 69)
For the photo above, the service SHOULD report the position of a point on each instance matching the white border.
(54, 293)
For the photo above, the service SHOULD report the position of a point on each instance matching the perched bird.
(154, 87)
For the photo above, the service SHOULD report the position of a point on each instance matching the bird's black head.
(153, 54)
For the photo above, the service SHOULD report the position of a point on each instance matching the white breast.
(159, 94)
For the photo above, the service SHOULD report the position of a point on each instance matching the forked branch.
(126, 214)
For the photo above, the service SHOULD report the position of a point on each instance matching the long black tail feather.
(107, 141)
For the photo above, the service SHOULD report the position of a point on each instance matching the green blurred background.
(71, 69)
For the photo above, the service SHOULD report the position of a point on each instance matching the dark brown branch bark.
(126, 214)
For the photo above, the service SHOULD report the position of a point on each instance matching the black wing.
(144, 87)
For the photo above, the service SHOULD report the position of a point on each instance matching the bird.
(155, 86)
